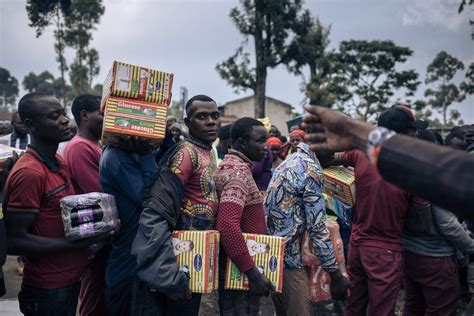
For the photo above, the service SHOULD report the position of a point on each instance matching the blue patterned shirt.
(295, 204)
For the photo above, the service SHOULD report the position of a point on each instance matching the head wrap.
(274, 141)
(298, 132)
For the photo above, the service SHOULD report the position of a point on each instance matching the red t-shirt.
(380, 206)
(82, 157)
(32, 185)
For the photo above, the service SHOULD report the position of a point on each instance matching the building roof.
(251, 96)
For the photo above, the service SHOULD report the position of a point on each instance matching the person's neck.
(87, 135)
(200, 142)
(47, 149)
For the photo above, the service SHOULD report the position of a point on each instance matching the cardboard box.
(140, 83)
(342, 210)
(267, 253)
(135, 118)
(197, 253)
(339, 183)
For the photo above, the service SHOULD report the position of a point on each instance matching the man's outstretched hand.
(332, 131)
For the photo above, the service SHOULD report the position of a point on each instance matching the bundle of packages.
(197, 254)
(88, 215)
(339, 183)
(319, 281)
(7, 152)
(267, 254)
(135, 101)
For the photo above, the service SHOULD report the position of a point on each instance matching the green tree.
(441, 72)
(8, 88)
(468, 86)
(308, 50)
(46, 83)
(80, 23)
(270, 23)
(368, 72)
(43, 13)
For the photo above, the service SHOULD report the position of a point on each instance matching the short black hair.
(224, 132)
(439, 138)
(84, 102)
(283, 139)
(426, 135)
(243, 127)
(199, 97)
(27, 105)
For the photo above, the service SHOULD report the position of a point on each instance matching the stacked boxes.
(267, 254)
(139, 83)
(339, 183)
(197, 254)
(135, 101)
(342, 210)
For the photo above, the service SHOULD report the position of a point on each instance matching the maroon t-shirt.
(380, 207)
(31, 185)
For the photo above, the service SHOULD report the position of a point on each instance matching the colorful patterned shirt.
(193, 163)
(240, 208)
(295, 204)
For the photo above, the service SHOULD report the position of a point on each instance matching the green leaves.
(8, 88)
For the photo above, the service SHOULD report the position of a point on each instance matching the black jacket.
(438, 174)
(152, 246)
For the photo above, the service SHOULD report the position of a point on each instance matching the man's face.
(203, 121)
(225, 144)
(260, 248)
(275, 152)
(469, 136)
(175, 132)
(18, 126)
(256, 145)
(50, 123)
(94, 123)
(185, 246)
(295, 140)
(274, 132)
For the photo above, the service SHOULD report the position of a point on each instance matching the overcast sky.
(188, 38)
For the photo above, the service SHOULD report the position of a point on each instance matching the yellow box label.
(267, 253)
(197, 254)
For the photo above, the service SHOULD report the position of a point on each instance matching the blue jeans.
(49, 302)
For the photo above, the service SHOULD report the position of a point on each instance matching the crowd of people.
(410, 227)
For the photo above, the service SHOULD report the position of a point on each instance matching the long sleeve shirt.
(125, 176)
(240, 209)
(194, 165)
(445, 235)
(295, 204)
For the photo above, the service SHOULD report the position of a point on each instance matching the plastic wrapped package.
(319, 281)
(88, 215)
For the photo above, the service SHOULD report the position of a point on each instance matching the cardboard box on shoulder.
(134, 118)
(339, 183)
(267, 254)
(197, 253)
(136, 82)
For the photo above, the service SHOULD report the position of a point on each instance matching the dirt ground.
(208, 303)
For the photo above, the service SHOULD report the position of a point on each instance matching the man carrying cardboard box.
(241, 211)
(294, 205)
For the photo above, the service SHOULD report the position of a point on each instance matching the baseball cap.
(399, 117)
